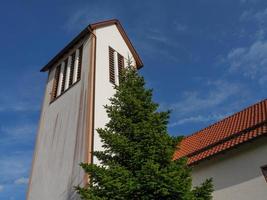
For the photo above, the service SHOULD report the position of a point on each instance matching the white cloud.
(218, 99)
(17, 134)
(261, 15)
(257, 20)
(24, 97)
(19, 107)
(180, 27)
(250, 61)
(200, 101)
(199, 118)
(158, 38)
(151, 39)
(88, 14)
(19, 130)
(249, 1)
(21, 181)
(1, 188)
(15, 165)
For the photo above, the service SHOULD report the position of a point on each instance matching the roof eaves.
(197, 161)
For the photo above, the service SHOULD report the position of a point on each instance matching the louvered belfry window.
(67, 73)
(55, 85)
(80, 63)
(111, 66)
(116, 65)
(65, 64)
(72, 68)
(120, 65)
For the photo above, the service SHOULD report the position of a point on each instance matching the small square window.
(264, 171)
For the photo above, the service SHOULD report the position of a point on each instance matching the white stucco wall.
(236, 174)
(61, 141)
(107, 36)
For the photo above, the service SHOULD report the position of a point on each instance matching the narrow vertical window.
(80, 63)
(120, 65)
(64, 75)
(61, 74)
(111, 66)
(55, 84)
(76, 63)
(72, 69)
(264, 172)
(67, 78)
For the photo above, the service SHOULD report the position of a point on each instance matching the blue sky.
(204, 60)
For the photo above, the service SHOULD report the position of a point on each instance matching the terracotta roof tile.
(236, 129)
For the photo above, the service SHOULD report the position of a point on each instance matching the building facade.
(80, 80)
(233, 152)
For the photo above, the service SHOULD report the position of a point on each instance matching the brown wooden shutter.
(120, 64)
(55, 83)
(72, 69)
(64, 75)
(80, 63)
(111, 66)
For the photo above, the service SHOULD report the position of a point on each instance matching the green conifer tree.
(137, 160)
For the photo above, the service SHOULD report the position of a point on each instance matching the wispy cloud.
(17, 134)
(19, 130)
(14, 166)
(162, 37)
(249, 1)
(84, 15)
(14, 169)
(18, 107)
(21, 181)
(261, 15)
(199, 119)
(153, 40)
(258, 20)
(251, 61)
(180, 27)
(158, 38)
(208, 105)
(24, 97)
(219, 92)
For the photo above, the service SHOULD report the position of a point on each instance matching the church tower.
(80, 81)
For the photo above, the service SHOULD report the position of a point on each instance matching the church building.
(81, 79)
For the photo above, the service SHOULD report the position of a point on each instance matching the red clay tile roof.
(234, 130)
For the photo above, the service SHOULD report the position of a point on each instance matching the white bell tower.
(80, 81)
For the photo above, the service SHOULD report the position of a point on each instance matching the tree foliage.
(137, 160)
